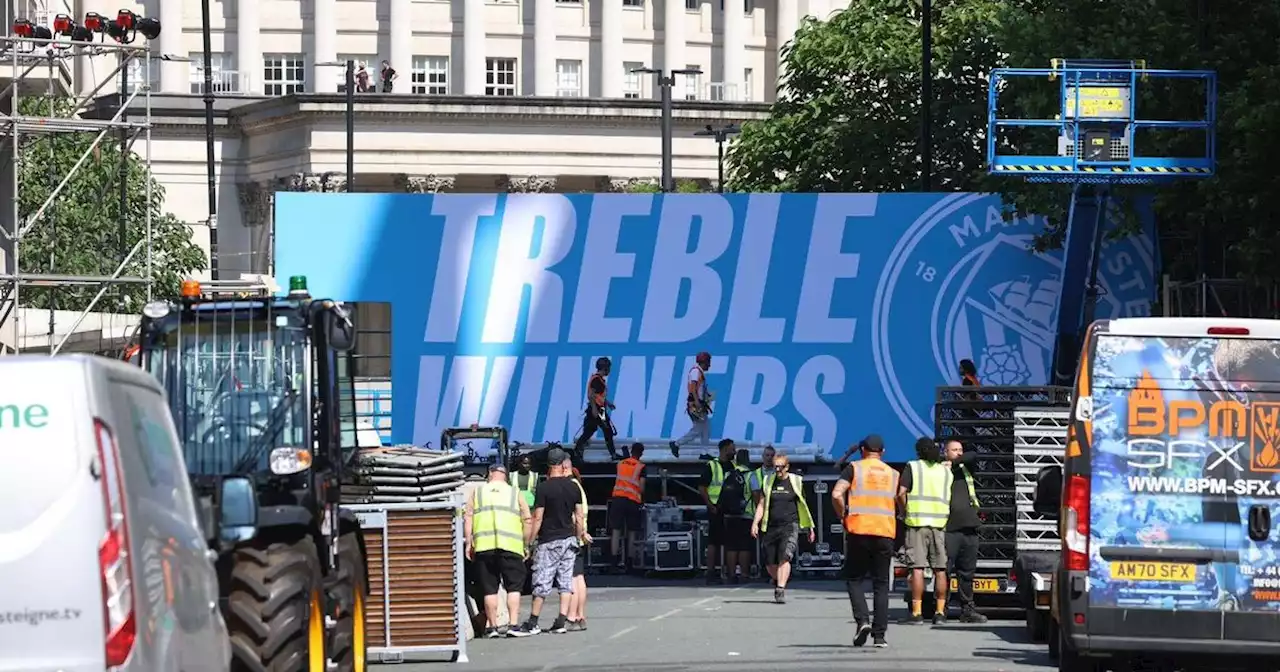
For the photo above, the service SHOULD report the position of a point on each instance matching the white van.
(102, 560)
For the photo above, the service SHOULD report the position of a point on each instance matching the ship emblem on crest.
(989, 299)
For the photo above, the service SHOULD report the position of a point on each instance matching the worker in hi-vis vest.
(625, 513)
(778, 519)
(925, 493)
(496, 528)
(526, 479)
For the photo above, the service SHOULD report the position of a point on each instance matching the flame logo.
(1146, 407)
(1266, 436)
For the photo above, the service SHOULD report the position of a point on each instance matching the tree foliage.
(83, 231)
(847, 115)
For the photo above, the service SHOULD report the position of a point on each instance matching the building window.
(568, 78)
(138, 73)
(283, 74)
(748, 84)
(748, 6)
(222, 74)
(692, 83)
(633, 3)
(499, 76)
(693, 5)
(431, 75)
(631, 80)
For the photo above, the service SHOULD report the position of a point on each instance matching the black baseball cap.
(556, 457)
(873, 443)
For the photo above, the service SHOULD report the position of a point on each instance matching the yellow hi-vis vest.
(717, 481)
(929, 502)
(496, 522)
(797, 486)
(527, 484)
(968, 480)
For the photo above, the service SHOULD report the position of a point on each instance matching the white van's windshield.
(236, 387)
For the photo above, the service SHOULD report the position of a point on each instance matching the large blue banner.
(830, 316)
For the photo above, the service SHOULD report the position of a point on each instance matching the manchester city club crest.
(962, 283)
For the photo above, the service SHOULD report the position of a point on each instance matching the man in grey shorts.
(559, 525)
(924, 490)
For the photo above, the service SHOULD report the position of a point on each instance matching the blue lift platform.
(1097, 148)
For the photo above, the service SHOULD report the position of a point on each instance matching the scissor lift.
(1097, 126)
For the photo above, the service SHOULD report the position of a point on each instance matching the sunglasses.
(780, 467)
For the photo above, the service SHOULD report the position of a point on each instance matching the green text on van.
(34, 416)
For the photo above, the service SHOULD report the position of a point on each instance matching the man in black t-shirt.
(559, 525)
(596, 416)
(963, 522)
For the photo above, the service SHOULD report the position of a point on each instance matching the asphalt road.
(649, 626)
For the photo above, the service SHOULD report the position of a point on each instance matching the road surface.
(639, 625)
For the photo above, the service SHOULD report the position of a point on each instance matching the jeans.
(867, 557)
(962, 562)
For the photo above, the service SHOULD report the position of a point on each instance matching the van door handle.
(1259, 522)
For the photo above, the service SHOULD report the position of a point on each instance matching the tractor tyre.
(274, 613)
(350, 643)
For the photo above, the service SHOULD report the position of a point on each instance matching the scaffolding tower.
(33, 66)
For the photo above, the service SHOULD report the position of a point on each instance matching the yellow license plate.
(1177, 572)
(980, 585)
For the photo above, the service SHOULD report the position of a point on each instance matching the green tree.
(682, 187)
(80, 232)
(847, 116)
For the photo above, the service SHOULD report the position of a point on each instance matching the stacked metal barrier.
(983, 418)
(401, 475)
(1040, 440)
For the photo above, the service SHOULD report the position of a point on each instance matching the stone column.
(786, 22)
(249, 45)
(324, 39)
(734, 48)
(612, 78)
(673, 57)
(473, 55)
(171, 72)
(544, 48)
(401, 56)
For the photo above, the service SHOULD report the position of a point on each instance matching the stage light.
(23, 28)
(81, 34)
(63, 25)
(95, 22)
(150, 28)
(127, 25)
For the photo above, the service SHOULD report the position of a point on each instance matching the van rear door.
(1251, 367)
(51, 519)
(1163, 437)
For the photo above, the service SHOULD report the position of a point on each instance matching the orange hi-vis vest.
(869, 509)
(627, 484)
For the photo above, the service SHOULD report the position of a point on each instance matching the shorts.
(780, 543)
(553, 564)
(580, 562)
(715, 529)
(926, 548)
(737, 534)
(625, 514)
(494, 569)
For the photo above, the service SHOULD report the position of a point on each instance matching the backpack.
(733, 493)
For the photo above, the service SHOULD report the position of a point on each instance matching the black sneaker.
(492, 633)
(972, 617)
(880, 643)
(780, 595)
(939, 618)
(916, 619)
(860, 637)
(526, 629)
(675, 449)
(559, 626)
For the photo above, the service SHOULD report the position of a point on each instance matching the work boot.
(939, 618)
(863, 632)
(971, 616)
(675, 449)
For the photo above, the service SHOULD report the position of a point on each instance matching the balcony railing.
(569, 92)
(729, 92)
(225, 82)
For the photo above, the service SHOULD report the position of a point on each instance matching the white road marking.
(623, 631)
(659, 617)
(702, 601)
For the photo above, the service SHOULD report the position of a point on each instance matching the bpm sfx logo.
(988, 299)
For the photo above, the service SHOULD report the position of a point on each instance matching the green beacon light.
(298, 286)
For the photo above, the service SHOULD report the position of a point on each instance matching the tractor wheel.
(350, 643)
(274, 610)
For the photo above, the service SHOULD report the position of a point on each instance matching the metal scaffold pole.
(22, 126)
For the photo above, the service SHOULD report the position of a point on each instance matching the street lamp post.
(665, 84)
(350, 66)
(209, 158)
(720, 135)
(926, 97)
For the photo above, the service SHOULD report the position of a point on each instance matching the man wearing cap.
(497, 528)
(864, 498)
(559, 525)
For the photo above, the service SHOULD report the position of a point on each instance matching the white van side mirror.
(237, 511)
